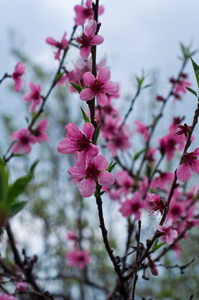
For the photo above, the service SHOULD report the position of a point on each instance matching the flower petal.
(87, 94)
(91, 28)
(87, 187)
(104, 75)
(105, 179)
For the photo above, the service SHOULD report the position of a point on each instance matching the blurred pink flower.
(142, 129)
(6, 297)
(59, 45)
(23, 138)
(133, 206)
(78, 258)
(86, 12)
(18, 72)
(34, 95)
(168, 234)
(21, 286)
(190, 164)
(39, 132)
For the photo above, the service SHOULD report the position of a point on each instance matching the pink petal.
(20, 68)
(27, 97)
(65, 146)
(27, 148)
(72, 132)
(87, 94)
(104, 75)
(88, 129)
(100, 162)
(85, 52)
(43, 125)
(111, 88)
(88, 78)
(184, 173)
(93, 150)
(57, 54)
(195, 167)
(16, 148)
(18, 84)
(89, 3)
(51, 41)
(87, 187)
(105, 179)
(100, 10)
(97, 40)
(102, 99)
(91, 28)
(81, 161)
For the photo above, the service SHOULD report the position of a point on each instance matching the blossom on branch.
(59, 45)
(39, 132)
(78, 258)
(77, 141)
(99, 87)
(18, 72)
(88, 39)
(133, 206)
(23, 138)
(189, 165)
(95, 171)
(86, 12)
(34, 95)
(168, 234)
(142, 129)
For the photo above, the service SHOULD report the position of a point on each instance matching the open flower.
(142, 129)
(190, 164)
(99, 87)
(133, 206)
(156, 203)
(34, 95)
(18, 72)
(168, 234)
(95, 171)
(88, 39)
(78, 258)
(23, 139)
(39, 132)
(77, 141)
(86, 12)
(59, 45)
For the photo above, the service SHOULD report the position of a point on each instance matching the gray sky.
(139, 34)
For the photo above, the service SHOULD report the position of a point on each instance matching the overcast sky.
(139, 34)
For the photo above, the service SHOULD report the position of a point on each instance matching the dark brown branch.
(137, 259)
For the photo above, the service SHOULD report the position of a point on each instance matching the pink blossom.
(189, 165)
(95, 171)
(71, 235)
(79, 142)
(6, 297)
(168, 145)
(21, 286)
(18, 72)
(168, 234)
(142, 129)
(34, 95)
(176, 209)
(110, 127)
(180, 85)
(23, 138)
(124, 181)
(85, 12)
(39, 132)
(99, 87)
(133, 206)
(120, 141)
(157, 204)
(78, 258)
(152, 266)
(88, 39)
(183, 130)
(162, 180)
(59, 45)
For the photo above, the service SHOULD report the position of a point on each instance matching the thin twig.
(137, 260)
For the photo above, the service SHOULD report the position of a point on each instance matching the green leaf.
(19, 185)
(77, 87)
(137, 154)
(157, 246)
(111, 166)
(16, 207)
(3, 181)
(191, 91)
(85, 117)
(196, 70)
(97, 133)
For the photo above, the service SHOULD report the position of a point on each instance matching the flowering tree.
(142, 187)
